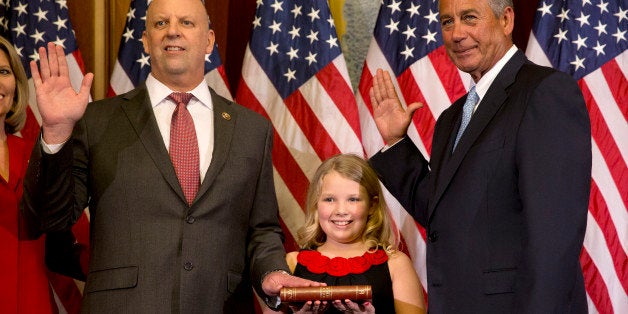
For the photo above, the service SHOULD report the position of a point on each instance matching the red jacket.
(24, 286)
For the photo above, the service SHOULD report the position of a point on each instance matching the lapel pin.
(226, 116)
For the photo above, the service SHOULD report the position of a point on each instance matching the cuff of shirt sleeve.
(273, 302)
(387, 146)
(51, 148)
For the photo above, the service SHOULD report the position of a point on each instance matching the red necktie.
(184, 147)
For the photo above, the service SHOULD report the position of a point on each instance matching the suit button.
(432, 237)
(190, 219)
(188, 266)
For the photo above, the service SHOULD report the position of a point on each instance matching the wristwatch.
(273, 303)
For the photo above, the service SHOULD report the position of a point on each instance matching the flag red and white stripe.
(601, 69)
(423, 73)
(294, 74)
(406, 42)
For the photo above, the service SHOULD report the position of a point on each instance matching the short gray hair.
(498, 6)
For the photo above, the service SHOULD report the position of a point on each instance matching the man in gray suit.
(160, 243)
(504, 200)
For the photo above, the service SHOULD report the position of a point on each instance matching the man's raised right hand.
(59, 104)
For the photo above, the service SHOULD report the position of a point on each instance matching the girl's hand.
(349, 306)
(310, 307)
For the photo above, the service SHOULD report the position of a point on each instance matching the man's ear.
(507, 21)
(211, 39)
(145, 42)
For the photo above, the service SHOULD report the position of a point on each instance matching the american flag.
(407, 43)
(133, 64)
(29, 25)
(588, 40)
(295, 74)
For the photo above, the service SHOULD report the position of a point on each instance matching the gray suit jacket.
(506, 212)
(150, 252)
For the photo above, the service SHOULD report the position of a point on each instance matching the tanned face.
(474, 37)
(178, 37)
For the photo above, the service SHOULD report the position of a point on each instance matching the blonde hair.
(16, 117)
(378, 231)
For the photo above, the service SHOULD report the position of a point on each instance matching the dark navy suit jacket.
(505, 213)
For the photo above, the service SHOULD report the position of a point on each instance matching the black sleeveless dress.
(368, 269)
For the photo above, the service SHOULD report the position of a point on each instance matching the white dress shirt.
(485, 82)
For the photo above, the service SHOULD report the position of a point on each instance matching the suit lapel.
(492, 101)
(224, 123)
(141, 116)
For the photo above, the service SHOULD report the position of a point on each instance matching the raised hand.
(59, 104)
(391, 118)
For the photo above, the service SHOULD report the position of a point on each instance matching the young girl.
(347, 239)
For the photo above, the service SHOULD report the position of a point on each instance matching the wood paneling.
(219, 15)
(241, 14)
(88, 22)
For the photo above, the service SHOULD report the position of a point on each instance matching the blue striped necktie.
(467, 112)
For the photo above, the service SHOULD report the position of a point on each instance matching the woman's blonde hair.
(16, 117)
(378, 231)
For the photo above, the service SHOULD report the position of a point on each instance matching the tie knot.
(472, 96)
(183, 98)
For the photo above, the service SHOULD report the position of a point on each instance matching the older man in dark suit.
(504, 197)
(178, 180)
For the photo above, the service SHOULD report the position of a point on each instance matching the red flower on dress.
(338, 266)
(313, 260)
(359, 264)
(377, 257)
(317, 263)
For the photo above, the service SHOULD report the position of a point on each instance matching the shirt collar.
(482, 86)
(159, 92)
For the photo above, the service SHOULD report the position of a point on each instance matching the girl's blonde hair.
(16, 117)
(378, 231)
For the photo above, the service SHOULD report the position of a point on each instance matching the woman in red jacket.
(24, 285)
